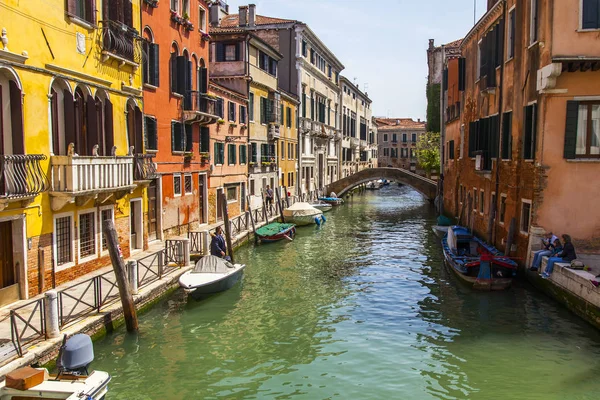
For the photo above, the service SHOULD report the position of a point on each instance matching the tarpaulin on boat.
(300, 210)
(212, 264)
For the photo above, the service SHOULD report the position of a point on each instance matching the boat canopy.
(300, 210)
(212, 264)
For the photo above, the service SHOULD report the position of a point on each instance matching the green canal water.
(362, 308)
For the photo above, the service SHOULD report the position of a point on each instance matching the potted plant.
(188, 155)
(152, 3)
(175, 17)
(252, 163)
(232, 124)
(220, 121)
(205, 36)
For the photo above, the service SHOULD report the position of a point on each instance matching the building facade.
(177, 111)
(529, 82)
(358, 144)
(226, 143)
(71, 141)
(397, 143)
(288, 144)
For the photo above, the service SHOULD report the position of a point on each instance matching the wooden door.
(7, 268)
(152, 210)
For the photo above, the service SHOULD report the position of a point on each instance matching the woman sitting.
(566, 255)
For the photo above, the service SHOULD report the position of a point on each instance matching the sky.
(381, 43)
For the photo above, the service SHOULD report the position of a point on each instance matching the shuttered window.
(512, 26)
(243, 154)
(220, 107)
(533, 21)
(288, 117)
(529, 130)
(242, 114)
(228, 52)
(451, 150)
(177, 137)
(507, 136)
(251, 107)
(151, 133)
(582, 130)
(82, 9)
(219, 153)
(254, 153)
(204, 139)
(231, 154)
(590, 15)
(231, 111)
(150, 63)
(462, 70)
(188, 137)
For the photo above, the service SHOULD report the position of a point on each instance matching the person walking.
(269, 195)
(550, 244)
(567, 255)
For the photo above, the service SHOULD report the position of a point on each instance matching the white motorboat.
(72, 381)
(303, 214)
(375, 185)
(211, 275)
(321, 205)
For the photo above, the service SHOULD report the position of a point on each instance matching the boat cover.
(212, 264)
(273, 229)
(300, 210)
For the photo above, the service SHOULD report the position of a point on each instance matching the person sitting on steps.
(566, 255)
(549, 244)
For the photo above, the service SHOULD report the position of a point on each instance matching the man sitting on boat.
(217, 245)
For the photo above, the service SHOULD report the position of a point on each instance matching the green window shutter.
(571, 129)
(216, 153)
(188, 137)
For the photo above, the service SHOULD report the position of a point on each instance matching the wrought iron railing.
(200, 102)
(121, 40)
(22, 175)
(27, 324)
(145, 169)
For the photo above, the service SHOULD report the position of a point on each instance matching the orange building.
(527, 146)
(178, 111)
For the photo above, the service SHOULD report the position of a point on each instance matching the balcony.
(363, 144)
(21, 178)
(274, 131)
(80, 179)
(121, 43)
(199, 107)
(354, 142)
(145, 168)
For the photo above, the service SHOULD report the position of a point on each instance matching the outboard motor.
(75, 355)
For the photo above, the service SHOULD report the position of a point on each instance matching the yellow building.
(288, 143)
(71, 139)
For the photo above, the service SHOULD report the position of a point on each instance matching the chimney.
(418, 119)
(252, 15)
(243, 16)
(431, 46)
(213, 14)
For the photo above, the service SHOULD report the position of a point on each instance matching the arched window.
(11, 114)
(202, 79)
(62, 113)
(173, 67)
(104, 123)
(134, 127)
(86, 133)
(150, 60)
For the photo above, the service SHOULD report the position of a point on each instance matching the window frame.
(502, 210)
(251, 107)
(523, 202)
(588, 129)
(202, 25)
(481, 201)
(185, 180)
(226, 190)
(94, 255)
(147, 141)
(231, 154)
(70, 263)
(511, 31)
(177, 176)
(475, 200)
(533, 22)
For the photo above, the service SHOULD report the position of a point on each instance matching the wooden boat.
(334, 201)
(276, 231)
(303, 214)
(211, 274)
(476, 262)
(321, 205)
(374, 185)
(72, 382)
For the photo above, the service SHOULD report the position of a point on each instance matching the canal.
(362, 308)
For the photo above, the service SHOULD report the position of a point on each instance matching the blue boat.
(476, 262)
(334, 201)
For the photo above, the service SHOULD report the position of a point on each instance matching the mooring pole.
(287, 198)
(252, 221)
(280, 208)
(110, 235)
(227, 227)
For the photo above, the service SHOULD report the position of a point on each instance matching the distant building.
(397, 142)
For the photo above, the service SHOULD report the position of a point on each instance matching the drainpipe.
(249, 81)
(442, 140)
(494, 220)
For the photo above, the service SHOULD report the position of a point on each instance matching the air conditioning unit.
(478, 162)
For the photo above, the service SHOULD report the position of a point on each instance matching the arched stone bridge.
(427, 187)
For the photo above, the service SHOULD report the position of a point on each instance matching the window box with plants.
(205, 156)
(220, 121)
(232, 124)
(205, 36)
(188, 154)
(175, 17)
(152, 3)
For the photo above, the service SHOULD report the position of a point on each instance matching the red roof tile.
(399, 123)
(231, 21)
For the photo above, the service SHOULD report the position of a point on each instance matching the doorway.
(9, 287)
(136, 239)
(321, 170)
(153, 210)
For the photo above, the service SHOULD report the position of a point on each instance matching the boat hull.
(207, 283)
(440, 231)
(474, 281)
(285, 234)
(303, 220)
(333, 201)
(323, 207)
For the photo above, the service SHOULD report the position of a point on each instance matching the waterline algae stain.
(361, 308)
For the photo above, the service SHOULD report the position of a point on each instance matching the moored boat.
(276, 231)
(334, 201)
(303, 214)
(373, 185)
(321, 205)
(211, 274)
(72, 382)
(475, 262)
(440, 231)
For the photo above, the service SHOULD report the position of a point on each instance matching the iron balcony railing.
(200, 102)
(145, 168)
(22, 175)
(121, 40)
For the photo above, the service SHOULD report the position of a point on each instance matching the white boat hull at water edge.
(324, 207)
(211, 275)
(303, 214)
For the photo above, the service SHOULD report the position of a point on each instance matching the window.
(231, 193)
(231, 113)
(525, 215)
(82, 9)
(219, 107)
(87, 235)
(204, 139)
(219, 155)
(231, 52)
(512, 25)
(386, 152)
(507, 136)
(253, 153)
(181, 76)
(304, 52)
(242, 114)
(582, 130)
(175, 5)
(243, 154)
(63, 232)
(475, 199)
(590, 14)
(502, 208)
(492, 207)
(231, 154)
(187, 183)
(414, 138)
(267, 64)
(404, 138)
(533, 21)
(481, 202)
(150, 67)
(177, 137)
(288, 117)
(385, 137)
(151, 133)
(202, 19)
(251, 107)
(451, 150)
(228, 52)
(177, 184)
(529, 137)
(282, 150)
(188, 144)
(105, 214)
